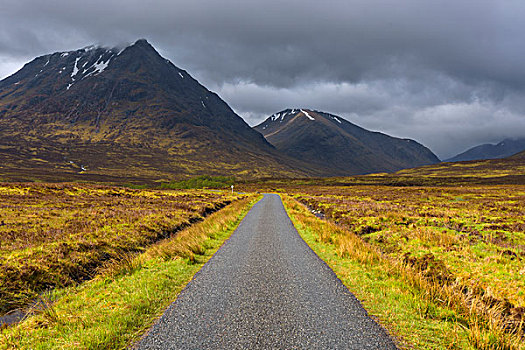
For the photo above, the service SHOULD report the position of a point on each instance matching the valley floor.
(440, 267)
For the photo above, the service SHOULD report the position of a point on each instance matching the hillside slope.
(520, 155)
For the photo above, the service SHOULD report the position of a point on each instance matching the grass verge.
(113, 310)
(419, 313)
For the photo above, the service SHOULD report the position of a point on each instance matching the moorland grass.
(420, 312)
(471, 235)
(114, 309)
(54, 235)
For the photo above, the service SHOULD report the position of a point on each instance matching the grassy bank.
(420, 311)
(115, 308)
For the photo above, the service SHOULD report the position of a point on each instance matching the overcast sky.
(449, 74)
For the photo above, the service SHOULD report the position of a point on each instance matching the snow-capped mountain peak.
(74, 66)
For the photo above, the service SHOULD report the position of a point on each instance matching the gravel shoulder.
(266, 289)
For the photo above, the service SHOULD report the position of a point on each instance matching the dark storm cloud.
(447, 73)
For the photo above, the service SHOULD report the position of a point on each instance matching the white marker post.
(232, 188)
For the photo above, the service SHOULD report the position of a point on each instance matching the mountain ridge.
(502, 149)
(332, 142)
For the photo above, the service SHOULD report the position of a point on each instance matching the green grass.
(113, 310)
(415, 311)
(204, 181)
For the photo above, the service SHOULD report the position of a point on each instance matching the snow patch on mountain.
(307, 115)
(282, 115)
(75, 69)
(99, 66)
(335, 118)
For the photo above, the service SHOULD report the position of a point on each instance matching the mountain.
(123, 114)
(502, 149)
(338, 146)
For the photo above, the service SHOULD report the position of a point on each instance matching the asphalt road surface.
(266, 289)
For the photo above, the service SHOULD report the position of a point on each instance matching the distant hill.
(510, 170)
(124, 113)
(338, 146)
(502, 149)
(506, 171)
(520, 155)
